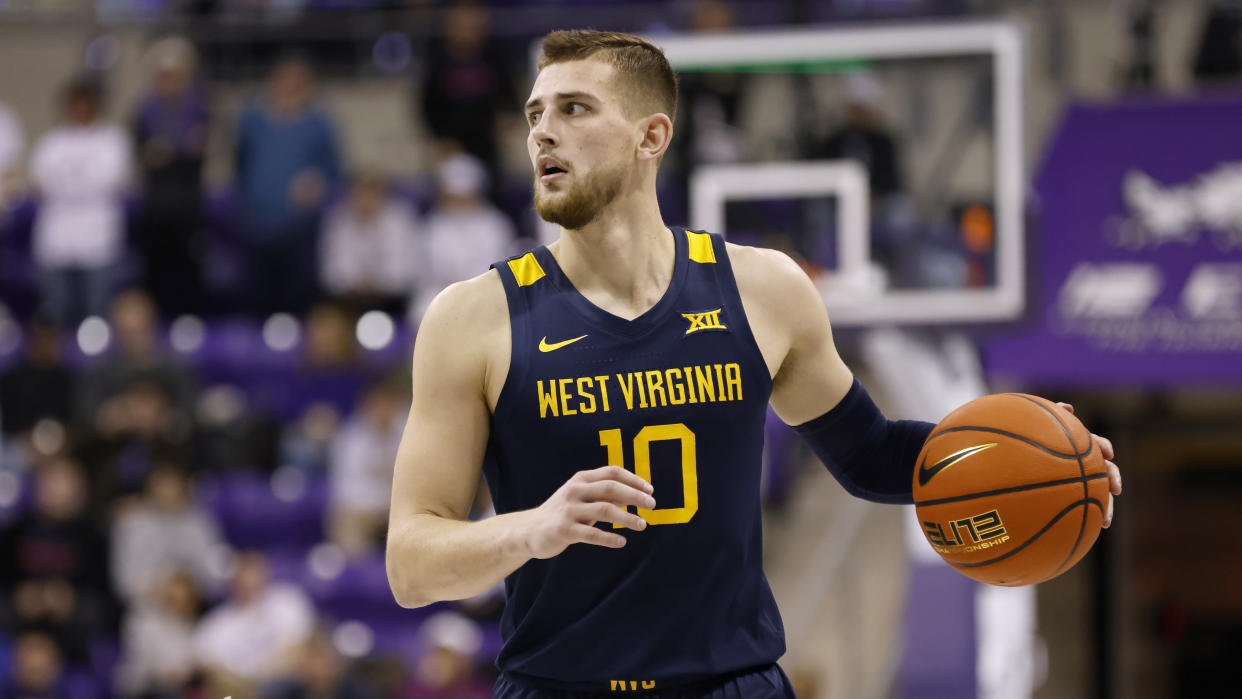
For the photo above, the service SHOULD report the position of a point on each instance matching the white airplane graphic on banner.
(1162, 214)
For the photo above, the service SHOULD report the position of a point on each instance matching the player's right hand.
(598, 495)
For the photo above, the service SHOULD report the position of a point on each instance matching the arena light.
(187, 334)
(392, 52)
(94, 335)
(375, 330)
(220, 404)
(103, 52)
(288, 484)
(326, 561)
(281, 332)
(48, 436)
(353, 639)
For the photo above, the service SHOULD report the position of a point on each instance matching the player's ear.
(656, 135)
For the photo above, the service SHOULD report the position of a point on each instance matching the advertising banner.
(1136, 257)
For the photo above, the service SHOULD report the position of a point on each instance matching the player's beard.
(579, 202)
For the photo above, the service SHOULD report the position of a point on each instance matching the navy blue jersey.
(679, 396)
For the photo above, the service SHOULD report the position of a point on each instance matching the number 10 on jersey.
(612, 441)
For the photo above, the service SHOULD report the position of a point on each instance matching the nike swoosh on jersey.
(545, 347)
(927, 473)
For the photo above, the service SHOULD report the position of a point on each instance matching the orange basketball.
(1010, 489)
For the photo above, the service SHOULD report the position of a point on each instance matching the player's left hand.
(1114, 473)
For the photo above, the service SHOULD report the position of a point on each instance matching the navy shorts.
(758, 683)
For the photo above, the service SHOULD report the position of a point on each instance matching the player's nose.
(542, 134)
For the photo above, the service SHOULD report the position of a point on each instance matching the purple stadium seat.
(360, 592)
(253, 517)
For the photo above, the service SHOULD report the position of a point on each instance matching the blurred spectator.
(171, 128)
(165, 532)
(467, 84)
(329, 374)
(864, 137)
(367, 255)
(710, 102)
(135, 406)
(80, 170)
(363, 454)
(253, 637)
(447, 670)
(134, 431)
(306, 443)
(330, 342)
(1219, 56)
(38, 669)
(53, 563)
(12, 142)
(138, 356)
(158, 639)
(1141, 71)
(287, 164)
(465, 233)
(39, 385)
(321, 674)
(232, 431)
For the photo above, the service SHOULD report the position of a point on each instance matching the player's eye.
(532, 118)
(575, 108)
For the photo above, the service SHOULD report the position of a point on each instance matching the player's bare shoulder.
(765, 272)
(780, 300)
(467, 326)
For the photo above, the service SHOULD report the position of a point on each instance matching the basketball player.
(612, 388)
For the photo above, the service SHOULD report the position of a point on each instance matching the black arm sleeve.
(870, 456)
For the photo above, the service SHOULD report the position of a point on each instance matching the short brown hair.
(637, 60)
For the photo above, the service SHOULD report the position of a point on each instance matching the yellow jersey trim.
(526, 269)
(701, 249)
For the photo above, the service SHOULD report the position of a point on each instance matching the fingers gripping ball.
(1010, 489)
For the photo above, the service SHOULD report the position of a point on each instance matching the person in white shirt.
(465, 233)
(157, 638)
(367, 249)
(362, 457)
(163, 532)
(253, 637)
(79, 171)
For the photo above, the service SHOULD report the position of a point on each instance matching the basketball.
(1010, 489)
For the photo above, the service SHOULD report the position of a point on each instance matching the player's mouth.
(549, 169)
